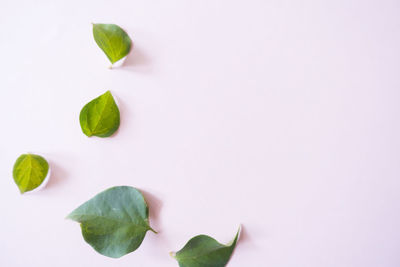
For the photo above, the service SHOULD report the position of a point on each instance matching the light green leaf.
(113, 40)
(205, 251)
(115, 221)
(29, 172)
(100, 117)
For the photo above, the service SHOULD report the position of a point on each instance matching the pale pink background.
(279, 115)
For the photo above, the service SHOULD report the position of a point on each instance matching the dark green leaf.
(100, 117)
(205, 251)
(115, 221)
(29, 172)
(113, 40)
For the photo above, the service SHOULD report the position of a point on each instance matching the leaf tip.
(237, 236)
(154, 231)
(172, 254)
(69, 217)
(239, 229)
(88, 133)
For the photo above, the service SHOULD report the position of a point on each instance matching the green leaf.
(115, 221)
(205, 251)
(29, 172)
(100, 117)
(113, 40)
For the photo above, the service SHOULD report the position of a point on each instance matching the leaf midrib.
(202, 254)
(109, 97)
(100, 30)
(119, 223)
(27, 174)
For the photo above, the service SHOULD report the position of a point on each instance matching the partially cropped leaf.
(30, 171)
(115, 221)
(205, 251)
(100, 117)
(113, 40)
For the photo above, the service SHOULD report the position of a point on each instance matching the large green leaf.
(113, 40)
(29, 172)
(115, 221)
(100, 117)
(205, 251)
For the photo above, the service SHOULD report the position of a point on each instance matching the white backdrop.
(279, 115)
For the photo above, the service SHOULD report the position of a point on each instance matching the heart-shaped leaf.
(29, 172)
(100, 117)
(205, 251)
(115, 221)
(113, 40)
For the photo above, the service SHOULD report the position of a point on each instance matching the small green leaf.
(100, 117)
(205, 251)
(115, 221)
(113, 40)
(29, 172)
